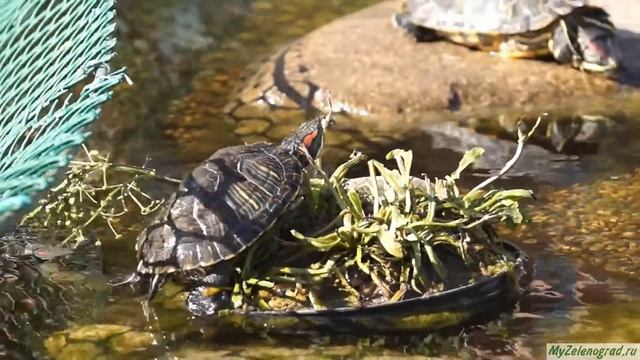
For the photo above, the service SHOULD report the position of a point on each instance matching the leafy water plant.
(395, 237)
(378, 239)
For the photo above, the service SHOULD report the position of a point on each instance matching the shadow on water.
(188, 59)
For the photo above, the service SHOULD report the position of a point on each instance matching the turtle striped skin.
(569, 30)
(223, 206)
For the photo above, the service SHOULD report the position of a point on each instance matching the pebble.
(279, 132)
(79, 351)
(96, 332)
(271, 352)
(206, 354)
(132, 341)
(596, 222)
(54, 344)
(252, 126)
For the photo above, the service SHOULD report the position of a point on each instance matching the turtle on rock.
(569, 30)
(220, 209)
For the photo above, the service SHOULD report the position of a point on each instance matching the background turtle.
(567, 29)
(221, 208)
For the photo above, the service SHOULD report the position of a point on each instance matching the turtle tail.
(156, 282)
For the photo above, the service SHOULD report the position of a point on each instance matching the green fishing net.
(53, 79)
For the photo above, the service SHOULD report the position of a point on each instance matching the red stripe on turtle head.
(308, 140)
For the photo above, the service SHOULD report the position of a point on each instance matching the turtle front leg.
(210, 297)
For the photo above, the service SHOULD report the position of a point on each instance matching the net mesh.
(53, 79)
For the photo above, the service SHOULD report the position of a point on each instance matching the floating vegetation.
(379, 239)
(95, 193)
(395, 237)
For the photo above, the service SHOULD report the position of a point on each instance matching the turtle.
(568, 30)
(223, 206)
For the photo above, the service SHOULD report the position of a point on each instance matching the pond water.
(189, 58)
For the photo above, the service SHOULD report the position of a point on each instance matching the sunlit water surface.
(188, 58)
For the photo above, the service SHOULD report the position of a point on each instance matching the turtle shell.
(506, 17)
(223, 206)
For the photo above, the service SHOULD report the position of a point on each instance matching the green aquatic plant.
(395, 236)
(95, 192)
(384, 238)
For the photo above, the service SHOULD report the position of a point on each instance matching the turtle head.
(309, 138)
(585, 39)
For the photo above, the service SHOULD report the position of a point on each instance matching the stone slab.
(371, 68)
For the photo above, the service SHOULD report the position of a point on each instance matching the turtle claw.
(200, 303)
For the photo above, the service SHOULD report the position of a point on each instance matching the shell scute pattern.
(189, 215)
(195, 252)
(162, 241)
(224, 205)
(207, 176)
(492, 17)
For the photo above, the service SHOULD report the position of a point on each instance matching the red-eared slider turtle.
(221, 208)
(567, 29)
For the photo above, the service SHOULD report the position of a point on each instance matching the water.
(188, 59)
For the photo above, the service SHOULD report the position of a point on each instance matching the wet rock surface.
(372, 68)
